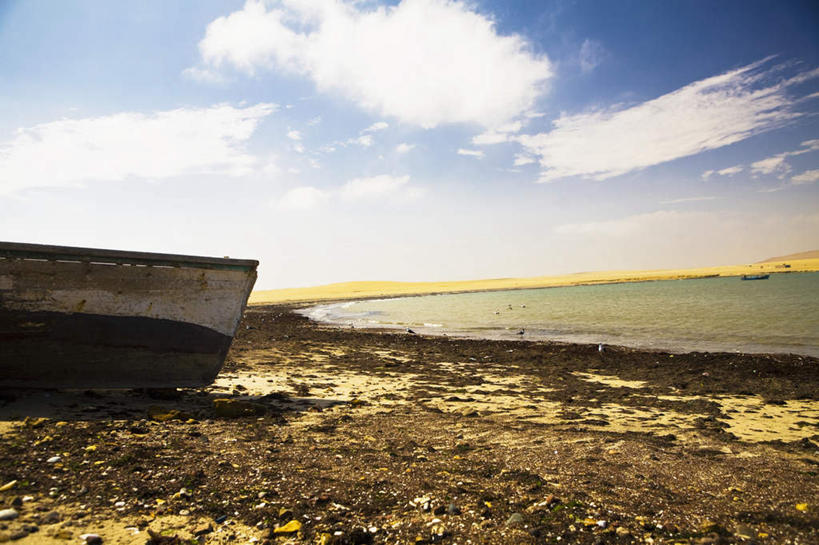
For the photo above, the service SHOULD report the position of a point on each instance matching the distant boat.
(755, 276)
(88, 318)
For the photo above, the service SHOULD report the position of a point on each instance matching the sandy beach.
(320, 435)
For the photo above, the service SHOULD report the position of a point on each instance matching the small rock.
(744, 531)
(623, 532)
(8, 486)
(91, 539)
(53, 460)
(233, 408)
(203, 529)
(220, 519)
(52, 517)
(63, 534)
(515, 520)
(359, 536)
(19, 534)
(708, 527)
(453, 509)
(8, 514)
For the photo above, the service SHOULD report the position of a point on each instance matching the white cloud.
(704, 115)
(707, 174)
(377, 126)
(771, 165)
(294, 135)
(523, 159)
(302, 198)
(160, 145)
(730, 171)
(203, 75)
(365, 140)
(688, 199)
(777, 164)
(807, 177)
(375, 186)
(498, 135)
(403, 147)
(471, 152)
(592, 54)
(424, 62)
(369, 189)
(315, 121)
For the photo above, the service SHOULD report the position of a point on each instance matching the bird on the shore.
(411, 332)
(600, 348)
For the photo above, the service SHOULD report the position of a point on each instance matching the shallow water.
(780, 314)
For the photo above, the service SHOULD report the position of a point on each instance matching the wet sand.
(383, 437)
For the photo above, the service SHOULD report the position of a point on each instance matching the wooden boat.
(755, 276)
(89, 318)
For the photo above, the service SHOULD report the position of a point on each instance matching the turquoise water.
(715, 314)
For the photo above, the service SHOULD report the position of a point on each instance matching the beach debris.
(234, 408)
(53, 460)
(160, 414)
(8, 514)
(8, 486)
(220, 519)
(202, 529)
(159, 539)
(290, 528)
(802, 507)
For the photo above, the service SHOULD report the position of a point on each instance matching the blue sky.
(413, 140)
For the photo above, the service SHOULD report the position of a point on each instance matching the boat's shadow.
(184, 404)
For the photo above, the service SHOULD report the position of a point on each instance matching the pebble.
(52, 517)
(744, 531)
(515, 520)
(91, 539)
(623, 532)
(53, 460)
(8, 514)
(453, 509)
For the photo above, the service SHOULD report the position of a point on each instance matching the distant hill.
(813, 254)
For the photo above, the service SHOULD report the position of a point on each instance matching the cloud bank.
(704, 115)
(69, 152)
(424, 62)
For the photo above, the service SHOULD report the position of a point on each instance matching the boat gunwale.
(21, 250)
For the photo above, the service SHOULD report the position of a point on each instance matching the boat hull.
(71, 318)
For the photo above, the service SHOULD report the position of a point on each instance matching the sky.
(416, 139)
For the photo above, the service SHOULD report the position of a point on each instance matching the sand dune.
(812, 254)
(362, 290)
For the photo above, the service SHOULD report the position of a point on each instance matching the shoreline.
(378, 437)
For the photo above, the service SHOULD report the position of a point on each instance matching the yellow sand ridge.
(370, 289)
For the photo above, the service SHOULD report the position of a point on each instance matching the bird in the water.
(411, 332)
(521, 332)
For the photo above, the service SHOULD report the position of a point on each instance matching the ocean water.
(778, 315)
